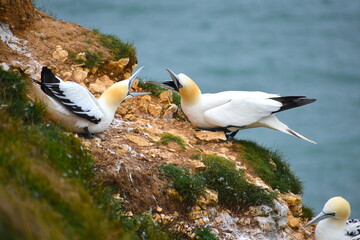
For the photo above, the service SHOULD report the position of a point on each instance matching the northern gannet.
(333, 223)
(76, 108)
(231, 111)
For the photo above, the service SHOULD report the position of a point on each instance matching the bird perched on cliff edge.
(333, 223)
(75, 107)
(231, 111)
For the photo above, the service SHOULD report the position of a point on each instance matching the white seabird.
(231, 111)
(333, 223)
(76, 108)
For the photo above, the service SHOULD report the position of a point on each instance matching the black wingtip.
(293, 102)
(47, 76)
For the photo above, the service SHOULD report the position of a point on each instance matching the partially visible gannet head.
(339, 206)
(115, 94)
(187, 88)
(337, 209)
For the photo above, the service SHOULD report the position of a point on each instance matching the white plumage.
(231, 111)
(77, 98)
(333, 223)
(76, 108)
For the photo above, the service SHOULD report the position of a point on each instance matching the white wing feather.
(240, 108)
(77, 99)
(82, 98)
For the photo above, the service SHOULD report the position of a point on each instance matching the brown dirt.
(17, 13)
(42, 37)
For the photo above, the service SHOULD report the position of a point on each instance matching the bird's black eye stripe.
(329, 214)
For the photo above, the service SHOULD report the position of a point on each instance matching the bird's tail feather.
(274, 123)
(296, 134)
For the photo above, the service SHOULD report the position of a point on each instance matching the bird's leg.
(89, 135)
(230, 136)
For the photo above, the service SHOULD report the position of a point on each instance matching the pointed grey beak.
(175, 84)
(135, 94)
(319, 217)
(133, 77)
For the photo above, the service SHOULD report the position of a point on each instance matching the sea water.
(289, 47)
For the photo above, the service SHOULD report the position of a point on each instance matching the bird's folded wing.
(241, 111)
(77, 99)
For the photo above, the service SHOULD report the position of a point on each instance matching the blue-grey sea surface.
(289, 47)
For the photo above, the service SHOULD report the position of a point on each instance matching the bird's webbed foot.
(89, 135)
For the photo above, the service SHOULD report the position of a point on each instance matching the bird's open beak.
(175, 83)
(319, 217)
(133, 77)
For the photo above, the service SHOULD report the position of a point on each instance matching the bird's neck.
(330, 229)
(327, 226)
(190, 94)
(114, 95)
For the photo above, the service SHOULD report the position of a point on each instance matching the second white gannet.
(231, 111)
(333, 223)
(76, 108)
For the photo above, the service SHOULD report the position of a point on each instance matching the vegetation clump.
(307, 212)
(270, 167)
(189, 186)
(91, 60)
(118, 48)
(205, 234)
(13, 98)
(152, 87)
(234, 190)
(221, 175)
(168, 137)
(145, 228)
(156, 90)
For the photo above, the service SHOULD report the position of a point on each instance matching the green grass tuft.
(144, 226)
(168, 137)
(270, 167)
(221, 175)
(176, 99)
(196, 156)
(233, 188)
(118, 48)
(156, 90)
(205, 234)
(152, 87)
(189, 186)
(92, 60)
(307, 212)
(13, 97)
